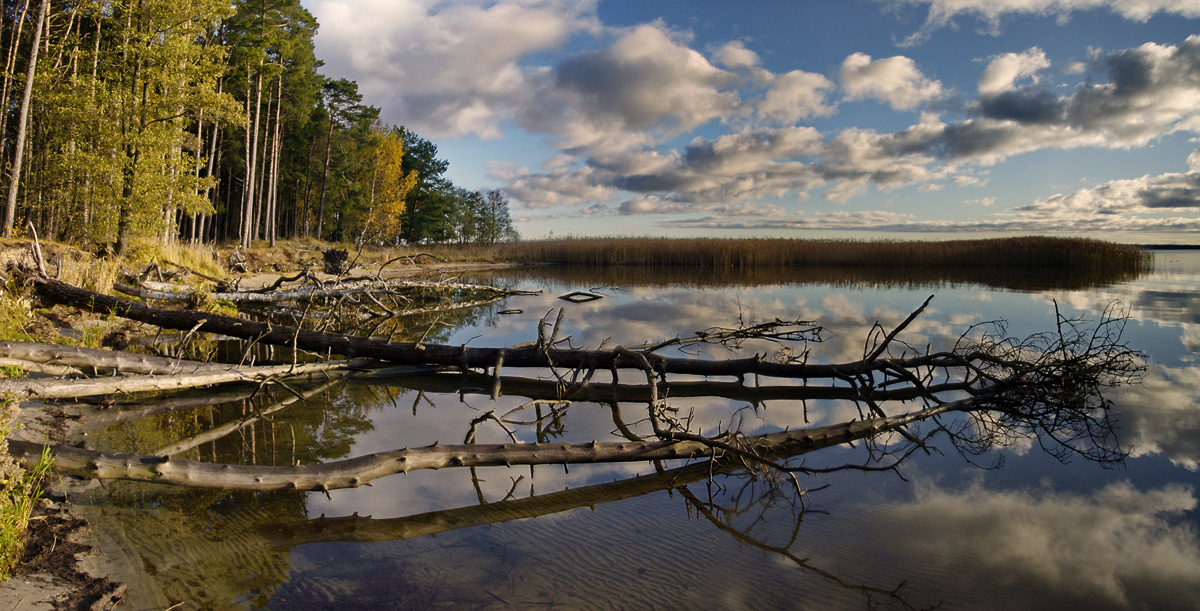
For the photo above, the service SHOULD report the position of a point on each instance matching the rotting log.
(65, 389)
(96, 360)
(540, 355)
(1048, 386)
(362, 470)
(331, 290)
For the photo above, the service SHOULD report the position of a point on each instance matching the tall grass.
(20, 490)
(1022, 252)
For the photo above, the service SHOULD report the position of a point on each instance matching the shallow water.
(1032, 533)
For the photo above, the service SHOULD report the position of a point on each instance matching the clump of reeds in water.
(1008, 253)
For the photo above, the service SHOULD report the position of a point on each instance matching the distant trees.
(157, 120)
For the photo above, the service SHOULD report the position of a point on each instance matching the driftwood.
(95, 360)
(1049, 386)
(122, 384)
(540, 354)
(354, 472)
(184, 294)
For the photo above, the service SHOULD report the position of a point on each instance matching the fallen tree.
(354, 472)
(1048, 386)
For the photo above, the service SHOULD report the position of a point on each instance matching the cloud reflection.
(1117, 548)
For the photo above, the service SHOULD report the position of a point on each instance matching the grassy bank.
(1022, 252)
(20, 490)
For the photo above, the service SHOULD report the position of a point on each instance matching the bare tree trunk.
(251, 164)
(14, 180)
(325, 176)
(355, 472)
(10, 64)
(273, 193)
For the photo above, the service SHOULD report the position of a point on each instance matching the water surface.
(1033, 532)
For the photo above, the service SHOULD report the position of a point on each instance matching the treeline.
(132, 121)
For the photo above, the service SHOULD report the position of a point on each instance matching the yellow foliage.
(389, 186)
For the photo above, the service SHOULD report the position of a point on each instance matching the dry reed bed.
(1021, 252)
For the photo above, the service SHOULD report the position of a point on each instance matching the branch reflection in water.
(437, 397)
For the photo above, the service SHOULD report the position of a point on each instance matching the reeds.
(1009, 253)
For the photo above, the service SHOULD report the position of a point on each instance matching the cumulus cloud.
(796, 95)
(645, 79)
(1172, 191)
(620, 103)
(561, 186)
(1149, 91)
(735, 55)
(894, 80)
(1047, 548)
(1005, 69)
(943, 12)
(458, 61)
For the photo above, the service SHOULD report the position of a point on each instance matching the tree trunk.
(67, 389)
(355, 472)
(540, 355)
(325, 177)
(10, 208)
(251, 164)
(273, 189)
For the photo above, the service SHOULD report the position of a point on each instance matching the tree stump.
(337, 261)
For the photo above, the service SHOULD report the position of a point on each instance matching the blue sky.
(905, 119)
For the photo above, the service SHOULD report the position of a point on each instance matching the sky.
(862, 119)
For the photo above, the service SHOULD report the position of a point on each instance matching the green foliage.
(157, 120)
(20, 490)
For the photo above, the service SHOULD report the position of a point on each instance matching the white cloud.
(943, 12)
(1119, 547)
(458, 62)
(562, 186)
(796, 95)
(1004, 70)
(645, 80)
(895, 80)
(735, 55)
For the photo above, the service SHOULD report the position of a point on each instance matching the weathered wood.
(354, 472)
(464, 357)
(65, 389)
(95, 360)
(183, 294)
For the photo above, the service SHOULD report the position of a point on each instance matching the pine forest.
(140, 122)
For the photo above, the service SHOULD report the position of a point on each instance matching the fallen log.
(358, 471)
(96, 360)
(539, 355)
(332, 290)
(24, 390)
(1048, 386)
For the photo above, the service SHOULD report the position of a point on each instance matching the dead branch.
(121, 384)
(95, 361)
(53, 291)
(358, 471)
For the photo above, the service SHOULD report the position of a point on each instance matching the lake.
(1010, 528)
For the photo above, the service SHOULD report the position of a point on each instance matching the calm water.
(1031, 533)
